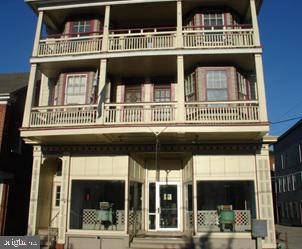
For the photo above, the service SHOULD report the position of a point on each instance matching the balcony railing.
(222, 112)
(146, 113)
(70, 46)
(141, 39)
(208, 220)
(136, 113)
(149, 39)
(63, 116)
(226, 37)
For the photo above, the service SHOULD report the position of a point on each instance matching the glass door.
(164, 206)
(168, 214)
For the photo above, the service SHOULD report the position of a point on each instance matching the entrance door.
(165, 217)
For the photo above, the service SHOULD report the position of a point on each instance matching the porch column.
(179, 39)
(105, 42)
(33, 202)
(180, 90)
(38, 33)
(64, 201)
(30, 95)
(102, 90)
(44, 91)
(255, 23)
(260, 88)
(264, 195)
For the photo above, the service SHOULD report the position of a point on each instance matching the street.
(294, 235)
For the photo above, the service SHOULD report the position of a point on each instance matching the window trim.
(224, 19)
(78, 34)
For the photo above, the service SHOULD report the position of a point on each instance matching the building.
(149, 120)
(15, 157)
(288, 176)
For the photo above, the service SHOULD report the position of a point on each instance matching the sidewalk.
(294, 235)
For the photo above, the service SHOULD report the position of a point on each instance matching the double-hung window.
(76, 89)
(217, 87)
(81, 27)
(162, 94)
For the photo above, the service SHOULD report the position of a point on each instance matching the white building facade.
(148, 120)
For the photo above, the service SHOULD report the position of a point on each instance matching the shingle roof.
(12, 82)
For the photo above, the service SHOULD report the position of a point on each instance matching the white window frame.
(210, 18)
(211, 88)
(66, 88)
(78, 25)
(190, 85)
(56, 185)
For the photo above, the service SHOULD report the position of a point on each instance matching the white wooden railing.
(222, 112)
(139, 113)
(63, 116)
(224, 38)
(70, 45)
(141, 40)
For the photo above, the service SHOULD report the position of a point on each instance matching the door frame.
(157, 206)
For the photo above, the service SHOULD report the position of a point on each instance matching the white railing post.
(255, 23)
(105, 42)
(180, 90)
(30, 96)
(102, 90)
(260, 88)
(179, 35)
(38, 34)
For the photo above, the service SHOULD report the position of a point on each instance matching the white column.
(44, 91)
(264, 195)
(38, 33)
(255, 23)
(179, 38)
(106, 29)
(33, 203)
(102, 89)
(180, 94)
(261, 88)
(108, 92)
(64, 199)
(30, 95)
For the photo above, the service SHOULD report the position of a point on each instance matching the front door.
(164, 206)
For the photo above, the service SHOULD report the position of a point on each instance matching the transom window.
(213, 19)
(162, 94)
(75, 92)
(81, 27)
(217, 89)
(58, 196)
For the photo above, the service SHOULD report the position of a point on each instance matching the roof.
(12, 82)
(290, 130)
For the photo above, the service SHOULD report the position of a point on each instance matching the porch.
(146, 113)
(149, 39)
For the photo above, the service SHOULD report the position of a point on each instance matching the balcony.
(70, 46)
(214, 113)
(150, 39)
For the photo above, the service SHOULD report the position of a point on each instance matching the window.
(190, 87)
(282, 161)
(162, 94)
(280, 184)
(75, 91)
(57, 196)
(217, 86)
(215, 20)
(133, 94)
(284, 184)
(243, 87)
(97, 205)
(289, 183)
(81, 27)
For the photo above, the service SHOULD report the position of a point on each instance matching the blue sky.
(280, 26)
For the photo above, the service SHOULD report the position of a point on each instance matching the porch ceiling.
(147, 137)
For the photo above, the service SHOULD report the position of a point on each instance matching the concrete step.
(158, 243)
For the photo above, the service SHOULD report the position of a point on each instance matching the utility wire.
(285, 120)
